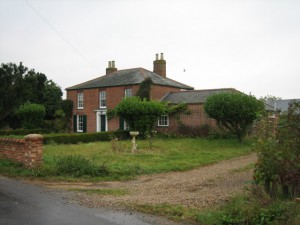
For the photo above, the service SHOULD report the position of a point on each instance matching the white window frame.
(163, 121)
(128, 92)
(102, 99)
(80, 100)
(79, 123)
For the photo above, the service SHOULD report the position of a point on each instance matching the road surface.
(22, 203)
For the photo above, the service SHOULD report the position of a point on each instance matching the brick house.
(93, 98)
(195, 100)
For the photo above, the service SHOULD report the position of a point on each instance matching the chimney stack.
(159, 65)
(111, 68)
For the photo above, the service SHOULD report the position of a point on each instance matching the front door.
(101, 121)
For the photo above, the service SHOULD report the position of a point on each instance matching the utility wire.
(61, 36)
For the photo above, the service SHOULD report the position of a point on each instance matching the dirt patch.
(201, 187)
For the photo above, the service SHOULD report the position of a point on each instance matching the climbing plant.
(145, 88)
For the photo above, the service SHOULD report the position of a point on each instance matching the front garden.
(113, 160)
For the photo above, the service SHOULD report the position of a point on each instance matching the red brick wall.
(91, 103)
(114, 95)
(28, 151)
(195, 118)
(158, 91)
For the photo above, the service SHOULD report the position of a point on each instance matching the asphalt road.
(26, 204)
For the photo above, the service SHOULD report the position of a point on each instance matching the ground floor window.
(79, 122)
(163, 121)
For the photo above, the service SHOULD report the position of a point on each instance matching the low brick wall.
(28, 151)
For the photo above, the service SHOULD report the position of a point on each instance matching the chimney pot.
(161, 56)
(111, 67)
(159, 66)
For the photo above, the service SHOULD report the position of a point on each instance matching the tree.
(67, 107)
(34, 86)
(19, 85)
(11, 88)
(235, 111)
(52, 97)
(31, 115)
(140, 115)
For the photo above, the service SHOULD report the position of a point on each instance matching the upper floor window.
(128, 93)
(102, 99)
(80, 100)
(163, 121)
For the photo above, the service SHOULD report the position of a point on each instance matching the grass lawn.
(168, 154)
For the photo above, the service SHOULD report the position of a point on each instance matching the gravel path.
(201, 187)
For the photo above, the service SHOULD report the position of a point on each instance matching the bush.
(78, 166)
(84, 137)
(31, 115)
(140, 115)
(278, 167)
(234, 110)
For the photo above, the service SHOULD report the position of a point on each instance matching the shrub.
(84, 137)
(31, 115)
(278, 167)
(140, 115)
(235, 111)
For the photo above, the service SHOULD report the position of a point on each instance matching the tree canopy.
(19, 85)
(140, 115)
(234, 110)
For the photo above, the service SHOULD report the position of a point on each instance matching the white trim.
(102, 97)
(80, 100)
(127, 92)
(167, 121)
(98, 120)
(77, 125)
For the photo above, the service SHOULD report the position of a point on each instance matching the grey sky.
(253, 46)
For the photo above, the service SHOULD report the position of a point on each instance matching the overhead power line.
(60, 35)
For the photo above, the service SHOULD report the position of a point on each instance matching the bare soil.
(202, 187)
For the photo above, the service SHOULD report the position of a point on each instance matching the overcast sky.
(253, 46)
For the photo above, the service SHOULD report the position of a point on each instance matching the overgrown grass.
(247, 209)
(118, 163)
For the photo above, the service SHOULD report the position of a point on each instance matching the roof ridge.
(201, 90)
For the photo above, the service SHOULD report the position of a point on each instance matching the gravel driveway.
(201, 187)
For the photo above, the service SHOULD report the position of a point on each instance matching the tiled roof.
(190, 97)
(128, 77)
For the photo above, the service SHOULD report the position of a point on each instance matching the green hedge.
(84, 137)
(24, 132)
